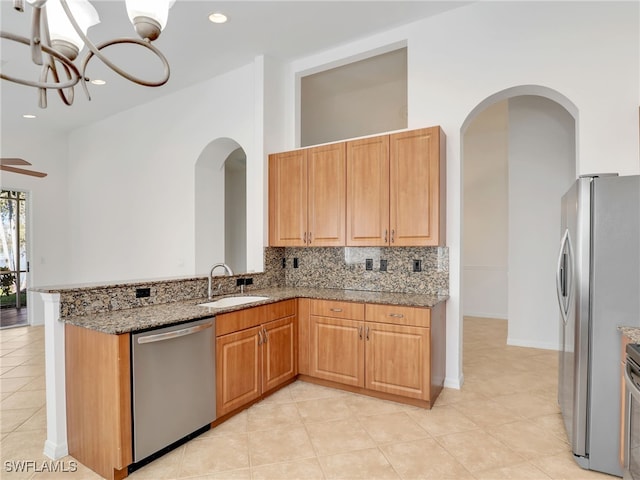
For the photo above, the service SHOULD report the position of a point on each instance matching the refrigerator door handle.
(564, 276)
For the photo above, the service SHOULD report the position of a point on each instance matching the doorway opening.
(14, 265)
(221, 206)
(519, 158)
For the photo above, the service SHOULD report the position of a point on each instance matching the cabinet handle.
(309, 238)
(304, 238)
(393, 236)
(385, 235)
(335, 309)
(259, 337)
(360, 332)
(265, 335)
(396, 315)
(367, 334)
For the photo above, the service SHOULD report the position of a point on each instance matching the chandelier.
(59, 33)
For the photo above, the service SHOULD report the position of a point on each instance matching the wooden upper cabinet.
(307, 197)
(417, 189)
(327, 172)
(288, 199)
(386, 190)
(368, 191)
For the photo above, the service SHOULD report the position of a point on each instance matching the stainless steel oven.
(632, 414)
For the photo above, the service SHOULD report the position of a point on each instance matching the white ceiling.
(196, 48)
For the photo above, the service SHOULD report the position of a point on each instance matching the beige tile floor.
(503, 424)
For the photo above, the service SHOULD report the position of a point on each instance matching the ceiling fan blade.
(13, 161)
(22, 171)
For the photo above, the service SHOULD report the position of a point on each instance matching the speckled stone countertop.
(154, 316)
(632, 332)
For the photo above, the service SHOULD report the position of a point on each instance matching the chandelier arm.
(36, 37)
(120, 71)
(95, 50)
(50, 51)
(67, 100)
(51, 67)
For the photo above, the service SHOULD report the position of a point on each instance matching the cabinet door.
(288, 199)
(238, 369)
(397, 360)
(327, 172)
(416, 191)
(337, 350)
(368, 191)
(279, 352)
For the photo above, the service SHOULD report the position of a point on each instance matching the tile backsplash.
(345, 268)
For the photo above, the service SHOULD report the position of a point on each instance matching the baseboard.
(453, 382)
(499, 316)
(55, 451)
(528, 343)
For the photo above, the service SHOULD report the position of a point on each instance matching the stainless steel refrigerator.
(598, 282)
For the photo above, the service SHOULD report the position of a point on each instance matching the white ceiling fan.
(8, 165)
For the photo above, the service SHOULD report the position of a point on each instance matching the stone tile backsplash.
(345, 268)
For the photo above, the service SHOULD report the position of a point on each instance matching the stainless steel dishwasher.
(173, 384)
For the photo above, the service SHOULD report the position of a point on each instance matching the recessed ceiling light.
(218, 17)
(28, 115)
(97, 81)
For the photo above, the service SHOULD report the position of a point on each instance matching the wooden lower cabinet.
(397, 360)
(255, 360)
(400, 355)
(98, 391)
(238, 370)
(337, 350)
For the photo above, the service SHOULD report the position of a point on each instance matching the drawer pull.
(265, 335)
(259, 337)
(367, 334)
(360, 332)
(335, 309)
(396, 315)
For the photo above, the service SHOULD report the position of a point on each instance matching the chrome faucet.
(227, 270)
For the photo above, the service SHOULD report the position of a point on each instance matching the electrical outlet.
(383, 265)
(368, 264)
(295, 262)
(143, 292)
(417, 265)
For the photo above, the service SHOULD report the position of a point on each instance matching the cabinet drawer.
(398, 315)
(252, 317)
(335, 309)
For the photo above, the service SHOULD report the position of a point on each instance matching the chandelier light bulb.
(149, 17)
(64, 37)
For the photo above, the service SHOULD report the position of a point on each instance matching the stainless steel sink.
(232, 301)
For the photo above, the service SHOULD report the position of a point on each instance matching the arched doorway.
(220, 206)
(518, 158)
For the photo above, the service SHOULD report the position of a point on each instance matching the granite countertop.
(632, 332)
(142, 318)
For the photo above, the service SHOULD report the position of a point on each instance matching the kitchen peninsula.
(397, 324)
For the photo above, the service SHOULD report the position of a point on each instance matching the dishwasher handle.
(159, 337)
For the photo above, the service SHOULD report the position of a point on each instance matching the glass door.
(14, 266)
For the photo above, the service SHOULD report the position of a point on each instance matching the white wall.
(588, 52)
(131, 180)
(541, 150)
(48, 243)
(486, 220)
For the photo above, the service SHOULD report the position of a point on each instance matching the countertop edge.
(130, 320)
(632, 332)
